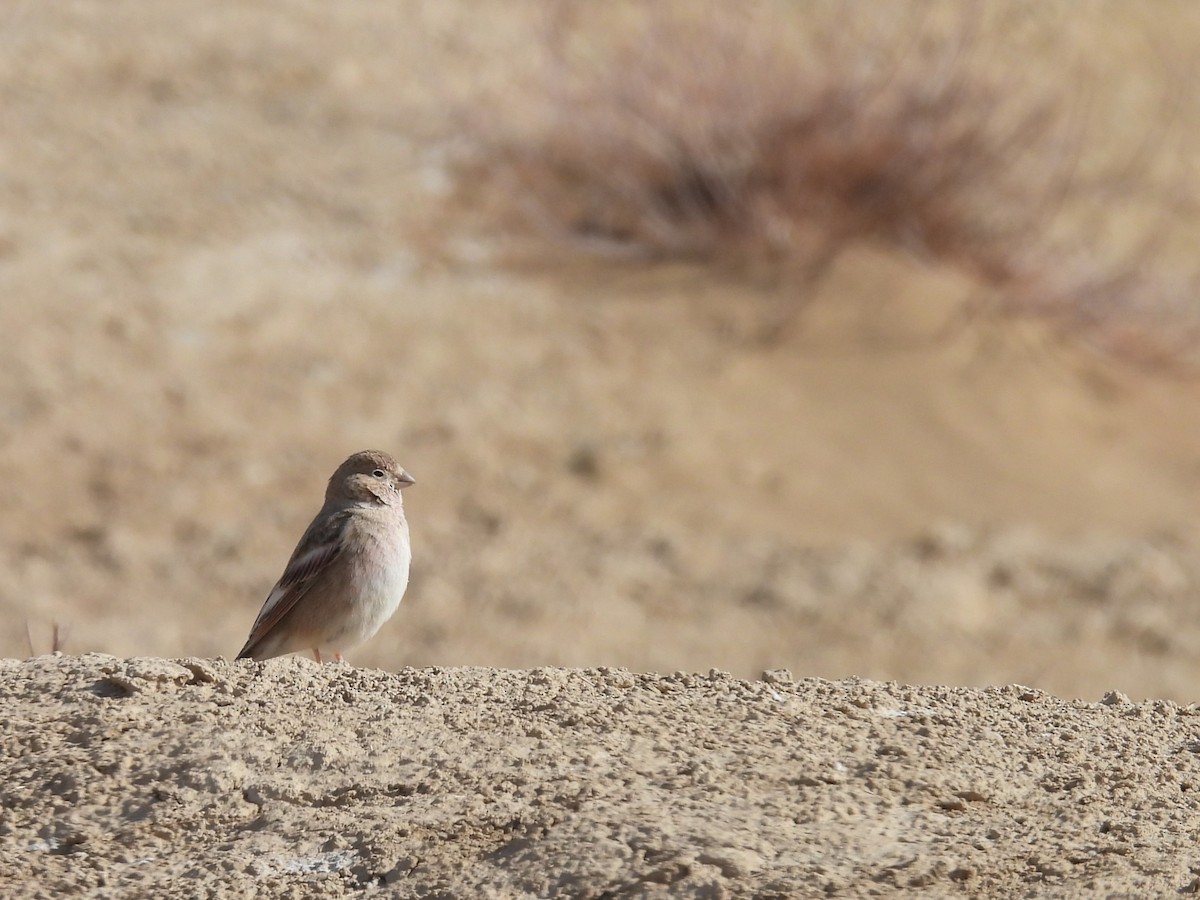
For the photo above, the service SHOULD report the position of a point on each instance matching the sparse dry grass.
(773, 137)
(58, 639)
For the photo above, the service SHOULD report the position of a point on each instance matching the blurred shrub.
(778, 134)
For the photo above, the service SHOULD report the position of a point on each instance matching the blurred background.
(848, 338)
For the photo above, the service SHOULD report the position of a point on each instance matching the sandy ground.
(147, 777)
(226, 263)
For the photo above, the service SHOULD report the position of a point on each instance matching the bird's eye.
(379, 473)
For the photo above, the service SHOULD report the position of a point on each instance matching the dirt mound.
(147, 777)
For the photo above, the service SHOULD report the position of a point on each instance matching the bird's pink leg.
(337, 657)
(317, 655)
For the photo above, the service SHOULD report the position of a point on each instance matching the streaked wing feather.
(318, 548)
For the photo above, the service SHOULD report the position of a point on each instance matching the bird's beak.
(405, 479)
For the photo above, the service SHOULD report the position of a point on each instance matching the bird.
(349, 571)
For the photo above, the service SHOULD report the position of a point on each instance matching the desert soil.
(148, 777)
(226, 262)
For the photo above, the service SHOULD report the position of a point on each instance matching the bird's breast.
(383, 575)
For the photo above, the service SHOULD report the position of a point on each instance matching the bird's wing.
(321, 544)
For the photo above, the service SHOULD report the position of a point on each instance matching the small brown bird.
(348, 573)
